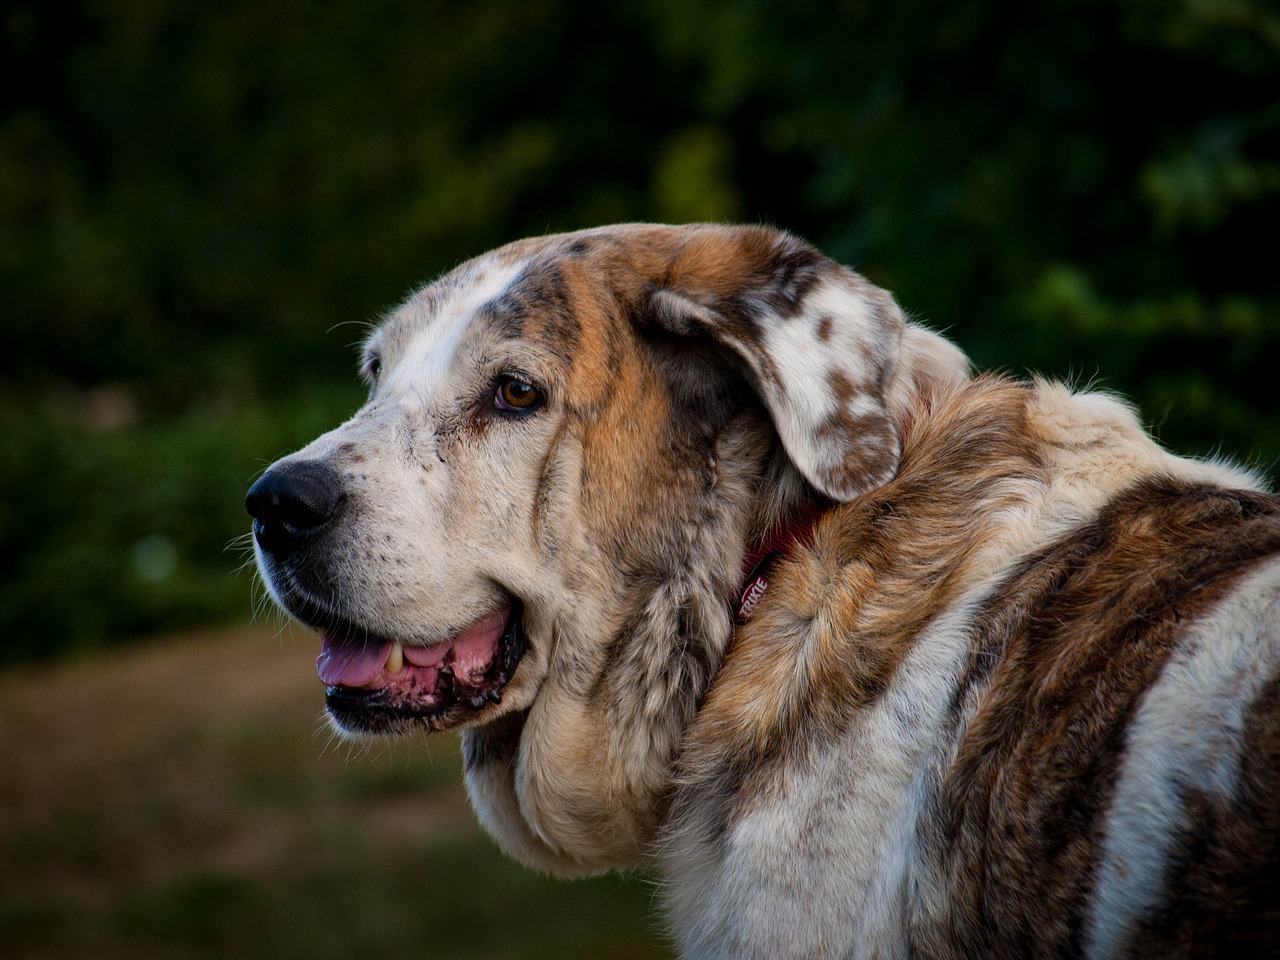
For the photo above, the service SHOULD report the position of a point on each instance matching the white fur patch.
(855, 349)
(853, 810)
(429, 355)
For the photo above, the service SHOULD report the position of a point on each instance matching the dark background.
(202, 204)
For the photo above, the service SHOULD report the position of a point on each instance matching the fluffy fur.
(1016, 696)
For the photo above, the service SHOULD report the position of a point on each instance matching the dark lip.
(363, 711)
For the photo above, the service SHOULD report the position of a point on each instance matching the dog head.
(533, 528)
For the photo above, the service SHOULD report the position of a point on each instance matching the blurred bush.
(201, 204)
(130, 528)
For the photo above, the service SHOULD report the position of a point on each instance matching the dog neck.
(795, 531)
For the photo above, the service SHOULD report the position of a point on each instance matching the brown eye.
(516, 395)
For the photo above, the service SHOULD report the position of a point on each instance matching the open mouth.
(376, 685)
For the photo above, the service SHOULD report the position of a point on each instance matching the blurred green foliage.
(201, 204)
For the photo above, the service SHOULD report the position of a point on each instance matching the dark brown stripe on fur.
(1228, 857)
(788, 272)
(1064, 653)
(537, 306)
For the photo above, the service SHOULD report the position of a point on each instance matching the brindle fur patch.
(1063, 654)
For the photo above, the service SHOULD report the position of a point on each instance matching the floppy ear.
(820, 342)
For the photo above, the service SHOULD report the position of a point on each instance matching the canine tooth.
(395, 659)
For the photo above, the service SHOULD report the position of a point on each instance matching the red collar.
(796, 531)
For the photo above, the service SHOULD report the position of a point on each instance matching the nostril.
(292, 510)
(292, 501)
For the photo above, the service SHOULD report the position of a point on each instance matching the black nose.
(292, 502)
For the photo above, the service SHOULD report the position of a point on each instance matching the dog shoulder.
(936, 696)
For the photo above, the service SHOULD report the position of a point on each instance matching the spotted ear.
(820, 342)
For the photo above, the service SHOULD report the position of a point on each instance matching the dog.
(725, 568)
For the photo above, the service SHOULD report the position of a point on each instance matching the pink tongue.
(357, 662)
(350, 663)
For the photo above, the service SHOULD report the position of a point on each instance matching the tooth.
(395, 659)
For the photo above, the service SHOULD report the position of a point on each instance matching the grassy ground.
(182, 799)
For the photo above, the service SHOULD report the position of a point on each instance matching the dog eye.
(374, 366)
(514, 394)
